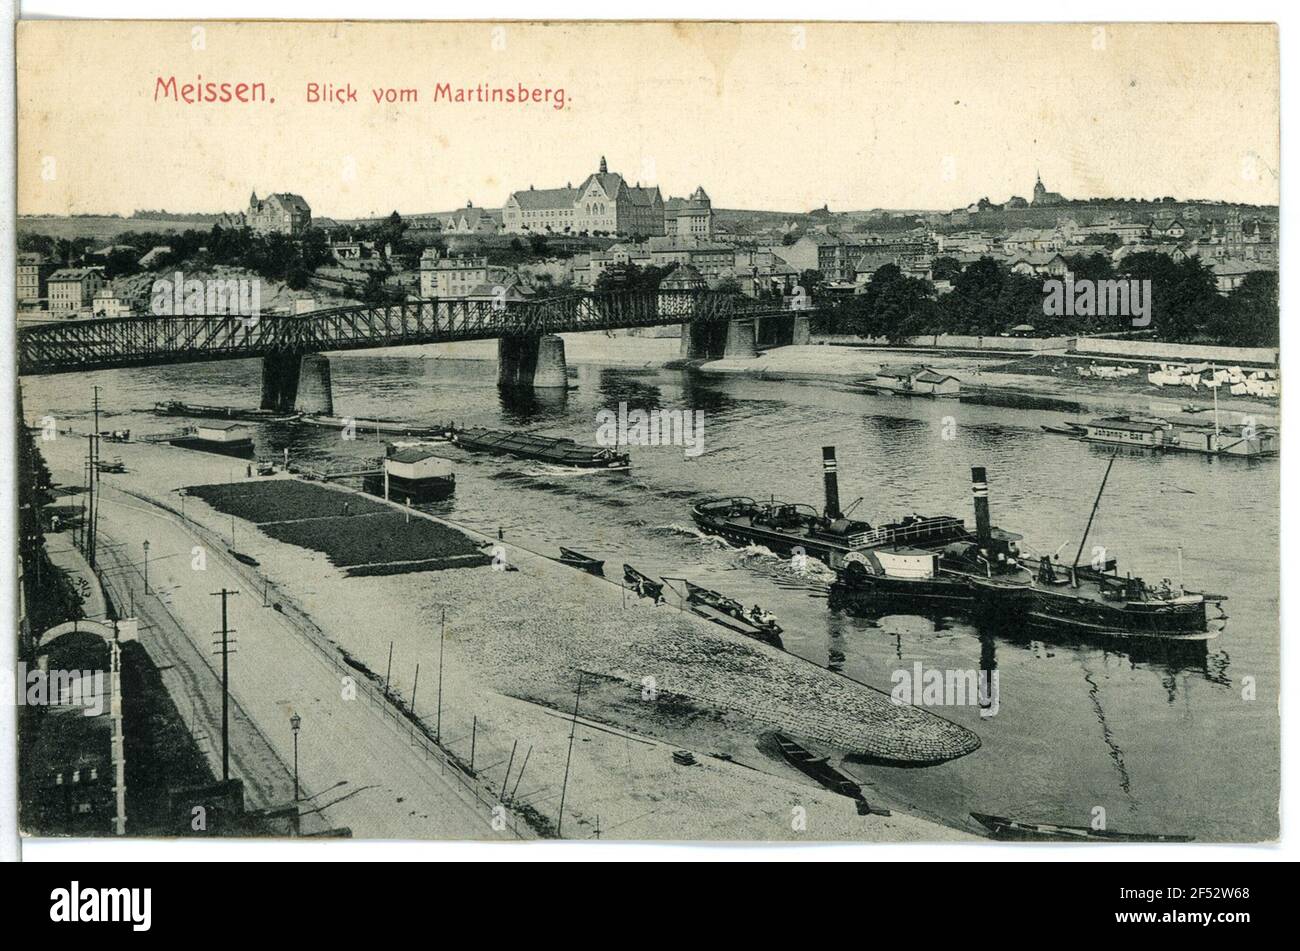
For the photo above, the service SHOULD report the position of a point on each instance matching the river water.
(1185, 743)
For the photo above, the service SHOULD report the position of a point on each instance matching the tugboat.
(1096, 600)
(788, 528)
(964, 573)
(989, 577)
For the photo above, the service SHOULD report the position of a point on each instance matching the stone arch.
(104, 630)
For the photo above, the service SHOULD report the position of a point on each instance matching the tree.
(945, 268)
(1250, 317)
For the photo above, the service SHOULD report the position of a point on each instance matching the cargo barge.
(1177, 435)
(555, 450)
(792, 529)
(204, 411)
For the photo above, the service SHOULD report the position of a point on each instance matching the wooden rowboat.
(1004, 828)
(642, 584)
(817, 768)
(576, 559)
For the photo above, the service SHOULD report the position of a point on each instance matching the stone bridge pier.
(533, 361)
(741, 340)
(703, 340)
(297, 382)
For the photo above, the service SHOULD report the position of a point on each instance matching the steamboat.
(989, 576)
(793, 528)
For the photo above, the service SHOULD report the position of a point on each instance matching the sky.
(776, 116)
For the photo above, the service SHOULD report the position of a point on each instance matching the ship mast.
(1091, 515)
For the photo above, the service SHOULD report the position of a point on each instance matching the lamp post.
(146, 567)
(295, 722)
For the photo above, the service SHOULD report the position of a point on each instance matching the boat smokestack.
(832, 480)
(979, 487)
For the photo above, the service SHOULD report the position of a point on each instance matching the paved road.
(352, 763)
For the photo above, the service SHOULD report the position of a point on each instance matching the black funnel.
(831, 478)
(979, 487)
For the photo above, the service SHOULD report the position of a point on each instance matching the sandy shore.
(515, 644)
(999, 374)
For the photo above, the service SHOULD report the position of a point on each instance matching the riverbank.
(1014, 379)
(653, 680)
(1006, 378)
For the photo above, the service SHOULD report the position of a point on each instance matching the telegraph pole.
(94, 482)
(225, 633)
(442, 641)
(559, 822)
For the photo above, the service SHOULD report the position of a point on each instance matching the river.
(1177, 744)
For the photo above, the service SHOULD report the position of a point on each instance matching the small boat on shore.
(756, 622)
(576, 559)
(818, 769)
(1015, 829)
(643, 585)
(729, 613)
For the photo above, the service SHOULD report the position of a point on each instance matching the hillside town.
(610, 232)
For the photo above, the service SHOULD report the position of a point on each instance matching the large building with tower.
(607, 203)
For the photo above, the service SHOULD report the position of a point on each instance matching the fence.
(1182, 352)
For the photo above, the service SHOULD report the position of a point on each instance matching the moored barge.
(555, 450)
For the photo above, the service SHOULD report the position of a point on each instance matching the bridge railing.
(138, 341)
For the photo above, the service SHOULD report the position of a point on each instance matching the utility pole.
(442, 641)
(414, 687)
(94, 482)
(225, 633)
(559, 822)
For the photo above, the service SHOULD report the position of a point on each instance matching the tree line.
(988, 298)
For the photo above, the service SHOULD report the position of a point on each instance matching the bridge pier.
(740, 340)
(802, 335)
(552, 372)
(315, 389)
(702, 340)
(280, 371)
(532, 361)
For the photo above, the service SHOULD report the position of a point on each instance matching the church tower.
(1040, 190)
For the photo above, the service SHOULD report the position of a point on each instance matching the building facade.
(458, 277)
(689, 217)
(281, 213)
(605, 202)
(73, 290)
(33, 277)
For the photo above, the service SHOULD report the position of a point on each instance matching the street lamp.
(295, 722)
(146, 567)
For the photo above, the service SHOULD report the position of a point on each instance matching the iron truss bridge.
(79, 345)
